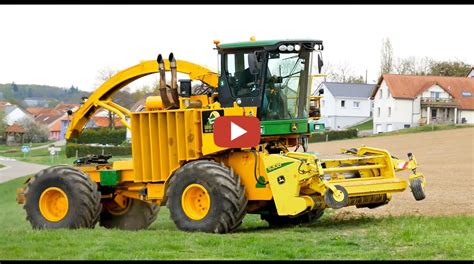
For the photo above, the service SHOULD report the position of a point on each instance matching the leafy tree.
(450, 68)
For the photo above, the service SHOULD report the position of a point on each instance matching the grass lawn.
(426, 128)
(365, 126)
(18, 147)
(409, 237)
(42, 156)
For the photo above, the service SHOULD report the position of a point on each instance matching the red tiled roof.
(41, 110)
(104, 121)
(410, 86)
(48, 119)
(15, 128)
(64, 107)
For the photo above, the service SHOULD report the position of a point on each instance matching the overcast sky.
(64, 45)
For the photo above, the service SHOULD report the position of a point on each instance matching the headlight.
(282, 48)
(290, 48)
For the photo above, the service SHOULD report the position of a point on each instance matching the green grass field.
(365, 126)
(18, 147)
(366, 238)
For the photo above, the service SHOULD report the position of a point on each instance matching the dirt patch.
(446, 158)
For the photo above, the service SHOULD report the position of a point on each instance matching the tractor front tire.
(206, 196)
(62, 197)
(136, 215)
(276, 220)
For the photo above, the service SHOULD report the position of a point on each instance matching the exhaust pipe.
(163, 90)
(174, 81)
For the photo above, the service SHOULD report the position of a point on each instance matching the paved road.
(14, 169)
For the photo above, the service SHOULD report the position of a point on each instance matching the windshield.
(286, 85)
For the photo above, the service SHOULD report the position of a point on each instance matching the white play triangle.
(236, 131)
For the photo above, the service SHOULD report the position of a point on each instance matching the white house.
(345, 104)
(13, 113)
(471, 73)
(403, 101)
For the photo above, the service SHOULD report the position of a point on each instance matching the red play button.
(236, 131)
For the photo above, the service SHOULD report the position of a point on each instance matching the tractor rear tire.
(276, 220)
(62, 197)
(137, 215)
(417, 189)
(206, 196)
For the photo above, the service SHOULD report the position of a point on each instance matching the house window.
(378, 111)
(389, 111)
(406, 126)
(380, 93)
(388, 93)
(343, 103)
(435, 95)
(356, 104)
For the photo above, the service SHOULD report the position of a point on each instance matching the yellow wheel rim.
(53, 204)
(195, 201)
(338, 196)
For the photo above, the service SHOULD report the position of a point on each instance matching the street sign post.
(25, 149)
(53, 151)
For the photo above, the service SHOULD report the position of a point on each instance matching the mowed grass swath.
(330, 237)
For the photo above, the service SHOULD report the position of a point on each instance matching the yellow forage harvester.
(209, 188)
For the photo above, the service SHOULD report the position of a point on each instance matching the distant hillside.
(16, 93)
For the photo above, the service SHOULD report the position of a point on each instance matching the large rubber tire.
(226, 194)
(276, 220)
(417, 189)
(332, 202)
(137, 215)
(82, 194)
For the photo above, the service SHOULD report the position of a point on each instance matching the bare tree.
(386, 59)
(105, 74)
(34, 131)
(342, 73)
(413, 65)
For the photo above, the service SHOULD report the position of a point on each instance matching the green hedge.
(86, 149)
(334, 135)
(103, 135)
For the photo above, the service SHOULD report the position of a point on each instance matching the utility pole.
(365, 76)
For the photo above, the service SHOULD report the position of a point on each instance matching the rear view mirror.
(320, 63)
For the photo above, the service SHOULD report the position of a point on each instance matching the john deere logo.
(209, 121)
(212, 117)
(278, 166)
